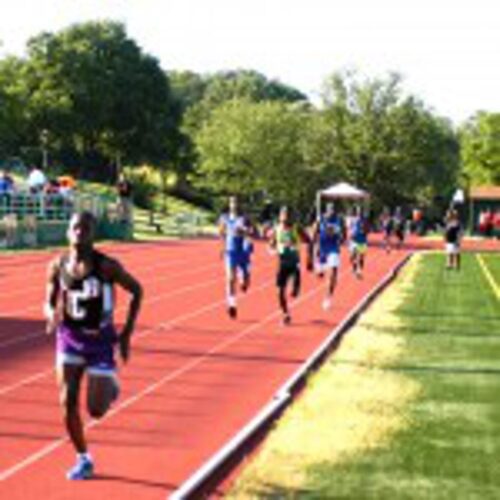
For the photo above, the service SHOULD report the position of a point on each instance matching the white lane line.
(153, 269)
(183, 263)
(140, 334)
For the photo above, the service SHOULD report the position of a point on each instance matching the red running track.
(195, 376)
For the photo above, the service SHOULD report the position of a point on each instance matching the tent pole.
(318, 205)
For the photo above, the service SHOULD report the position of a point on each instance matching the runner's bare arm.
(222, 236)
(315, 238)
(119, 275)
(272, 239)
(52, 296)
(309, 241)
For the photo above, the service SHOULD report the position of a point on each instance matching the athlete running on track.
(399, 227)
(285, 239)
(387, 224)
(327, 236)
(79, 310)
(234, 231)
(358, 241)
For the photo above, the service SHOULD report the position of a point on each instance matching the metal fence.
(40, 219)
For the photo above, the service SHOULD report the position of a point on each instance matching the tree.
(392, 146)
(480, 149)
(13, 104)
(97, 92)
(241, 84)
(249, 148)
(198, 96)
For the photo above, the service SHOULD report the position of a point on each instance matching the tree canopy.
(366, 133)
(481, 149)
(97, 94)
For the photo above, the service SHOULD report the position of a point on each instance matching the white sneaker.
(327, 303)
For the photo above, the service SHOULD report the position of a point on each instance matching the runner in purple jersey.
(79, 310)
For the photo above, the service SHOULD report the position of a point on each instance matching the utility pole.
(44, 139)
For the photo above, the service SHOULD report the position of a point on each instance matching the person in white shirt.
(36, 180)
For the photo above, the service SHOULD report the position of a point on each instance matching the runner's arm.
(51, 297)
(272, 241)
(222, 235)
(309, 241)
(117, 273)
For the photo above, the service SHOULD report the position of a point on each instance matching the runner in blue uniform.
(328, 236)
(79, 310)
(234, 231)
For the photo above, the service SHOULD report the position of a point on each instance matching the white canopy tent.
(340, 191)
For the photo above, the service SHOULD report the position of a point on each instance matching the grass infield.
(409, 405)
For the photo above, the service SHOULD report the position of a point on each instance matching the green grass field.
(447, 442)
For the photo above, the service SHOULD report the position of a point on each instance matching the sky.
(448, 52)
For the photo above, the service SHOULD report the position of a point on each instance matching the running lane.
(195, 378)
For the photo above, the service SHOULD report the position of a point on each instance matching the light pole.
(44, 139)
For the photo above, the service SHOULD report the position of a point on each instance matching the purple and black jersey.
(86, 335)
(87, 301)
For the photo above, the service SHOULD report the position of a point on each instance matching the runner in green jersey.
(285, 239)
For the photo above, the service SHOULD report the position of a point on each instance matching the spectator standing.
(124, 190)
(36, 180)
(489, 223)
(452, 237)
(497, 223)
(6, 183)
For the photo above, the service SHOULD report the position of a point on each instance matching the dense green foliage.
(481, 149)
(250, 148)
(100, 98)
(365, 133)
(389, 144)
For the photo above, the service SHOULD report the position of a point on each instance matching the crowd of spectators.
(39, 192)
(489, 223)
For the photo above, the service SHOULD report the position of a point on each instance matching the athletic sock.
(84, 456)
